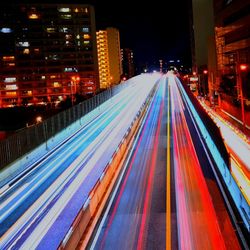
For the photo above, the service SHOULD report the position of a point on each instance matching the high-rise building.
(109, 57)
(114, 54)
(203, 28)
(47, 53)
(128, 67)
(103, 59)
(232, 31)
(202, 39)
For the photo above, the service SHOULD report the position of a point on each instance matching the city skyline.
(152, 31)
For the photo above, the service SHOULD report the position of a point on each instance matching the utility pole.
(241, 68)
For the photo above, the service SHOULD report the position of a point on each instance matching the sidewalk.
(238, 144)
(234, 122)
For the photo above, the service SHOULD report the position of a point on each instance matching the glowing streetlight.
(74, 81)
(242, 68)
(39, 119)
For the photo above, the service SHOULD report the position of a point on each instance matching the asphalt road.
(136, 216)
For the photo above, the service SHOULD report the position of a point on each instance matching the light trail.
(239, 149)
(198, 226)
(149, 187)
(168, 178)
(18, 197)
(30, 230)
(133, 200)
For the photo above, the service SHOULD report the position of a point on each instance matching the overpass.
(141, 167)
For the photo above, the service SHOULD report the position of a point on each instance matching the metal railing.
(31, 137)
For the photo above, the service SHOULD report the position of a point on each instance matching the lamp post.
(74, 81)
(241, 68)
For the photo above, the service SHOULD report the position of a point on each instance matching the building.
(109, 56)
(114, 54)
(127, 58)
(232, 31)
(202, 39)
(203, 28)
(103, 59)
(47, 53)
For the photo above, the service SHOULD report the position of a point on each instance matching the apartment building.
(48, 52)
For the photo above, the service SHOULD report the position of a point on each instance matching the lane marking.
(168, 193)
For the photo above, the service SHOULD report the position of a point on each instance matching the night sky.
(151, 30)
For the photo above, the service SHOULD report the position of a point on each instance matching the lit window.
(78, 36)
(52, 77)
(56, 84)
(11, 64)
(37, 50)
(6, 30)
(33, 16)
(26, 51)
(86, 42)
(68, 69)
(86, 36)
(23, 44)
(54, 57)
(68, 36)
(85, 29)
(64, 29)
(76, 10)
(29, 92)
(11, 93)
(66, 16)
(64, 10)
(43, 77)
(11, 87)
(8, 58)
(10, 79)
(51, 30)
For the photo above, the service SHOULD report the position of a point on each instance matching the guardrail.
(31, 137)
(221, 158)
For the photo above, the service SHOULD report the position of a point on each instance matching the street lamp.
(242, 68)
(39, 119)
(74, 81)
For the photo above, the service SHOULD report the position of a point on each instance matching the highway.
(166, 195)
(31, 210)
(201, 213)
(136, 216)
